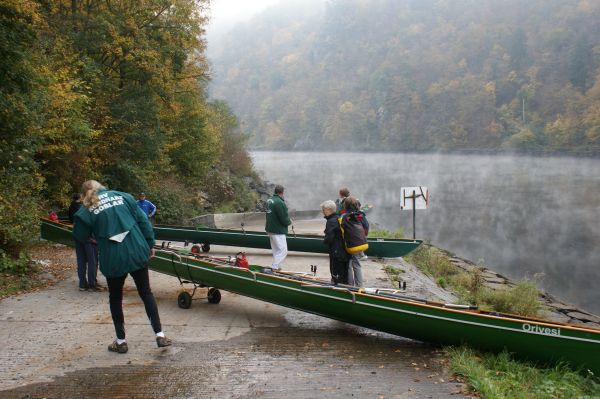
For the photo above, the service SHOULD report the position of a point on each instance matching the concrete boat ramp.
(55, 345)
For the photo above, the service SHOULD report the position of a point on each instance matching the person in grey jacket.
(277, 222)
(125, 242)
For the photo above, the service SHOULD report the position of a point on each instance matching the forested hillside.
(417, 75)
(113, 90)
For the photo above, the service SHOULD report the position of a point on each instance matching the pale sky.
(228, 12)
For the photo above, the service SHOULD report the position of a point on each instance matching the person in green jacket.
(278, 221)
(125, 242)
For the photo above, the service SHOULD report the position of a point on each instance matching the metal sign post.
(414, 198)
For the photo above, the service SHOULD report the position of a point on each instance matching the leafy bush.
(175, 203)
(11, 265)
(523, 299)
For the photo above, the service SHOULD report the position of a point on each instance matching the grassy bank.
(498, 375)
(521, 299)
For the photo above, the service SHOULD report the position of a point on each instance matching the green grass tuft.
(523, 299)
(393, 272)
(499, 376)
(382, 233)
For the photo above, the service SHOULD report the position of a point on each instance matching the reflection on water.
(519, 216)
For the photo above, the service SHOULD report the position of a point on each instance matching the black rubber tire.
(213, 295)
(184, 300)
(205, 247)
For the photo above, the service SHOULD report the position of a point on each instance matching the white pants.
(279, 247)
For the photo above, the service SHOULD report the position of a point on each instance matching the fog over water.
(517, 215)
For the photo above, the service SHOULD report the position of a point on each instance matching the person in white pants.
(279, 247)
(276, 227)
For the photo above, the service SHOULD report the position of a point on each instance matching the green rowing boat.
(378, 247)
(379, 309)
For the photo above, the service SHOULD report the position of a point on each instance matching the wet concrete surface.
(55, 347)
(268, 363)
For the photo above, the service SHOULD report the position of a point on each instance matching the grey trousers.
(355, 276)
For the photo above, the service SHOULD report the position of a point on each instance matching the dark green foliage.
(22, 95)
(460, 75)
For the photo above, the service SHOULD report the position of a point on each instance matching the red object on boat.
(241, 260)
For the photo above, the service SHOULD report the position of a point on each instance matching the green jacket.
(122, 230)
(277, 216)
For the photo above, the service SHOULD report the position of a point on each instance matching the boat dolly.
(185, 298)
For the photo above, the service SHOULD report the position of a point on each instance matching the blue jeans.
(115, 296)
(87, 264)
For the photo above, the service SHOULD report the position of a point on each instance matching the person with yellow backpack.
(355, 228)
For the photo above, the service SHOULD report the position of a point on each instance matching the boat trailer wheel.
(205, 247)
(184, 300)
(214, 295)
(195, 249)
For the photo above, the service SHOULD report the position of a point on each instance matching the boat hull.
(538, 340)
(378, 247)
(533, 340)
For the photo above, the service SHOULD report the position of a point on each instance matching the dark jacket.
(333, 238)
(277, 216)
(73, 208)
(116, 215)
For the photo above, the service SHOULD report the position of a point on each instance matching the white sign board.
(419, 196)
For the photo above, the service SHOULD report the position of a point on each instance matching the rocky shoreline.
(555, 309)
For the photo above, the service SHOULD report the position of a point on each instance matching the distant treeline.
(417, 75)
(113, 90)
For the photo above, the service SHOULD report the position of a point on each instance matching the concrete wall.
(235, 220)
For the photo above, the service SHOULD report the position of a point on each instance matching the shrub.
(521, 299)
(432, 262)
(19, 265)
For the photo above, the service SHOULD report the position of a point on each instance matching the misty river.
(533, 217)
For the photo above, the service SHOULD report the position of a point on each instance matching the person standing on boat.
(148, 207)
(86, 254)
(125, 239)
(341, 209)
(276, 226)
(338, 257)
